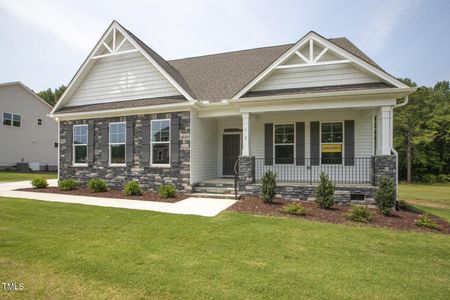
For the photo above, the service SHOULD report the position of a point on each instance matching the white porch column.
(245, 134)
(384, 135)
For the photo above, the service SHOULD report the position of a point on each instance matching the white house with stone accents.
(319, 105)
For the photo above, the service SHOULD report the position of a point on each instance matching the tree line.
(421, 132)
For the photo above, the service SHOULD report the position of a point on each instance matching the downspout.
(406, 99)
(59, 144)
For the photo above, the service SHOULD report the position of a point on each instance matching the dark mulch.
(112, 193)
(403, 219)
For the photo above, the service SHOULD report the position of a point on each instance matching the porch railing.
(307, 170)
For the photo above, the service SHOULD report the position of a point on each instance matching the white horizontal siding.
(124, 77)
(314, 76)
(203, 148)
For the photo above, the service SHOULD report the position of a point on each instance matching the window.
(332, 140)
(10, 119)
(39, 121)
(160, 142)
(80, 141)
(117, 137)
(284, 144)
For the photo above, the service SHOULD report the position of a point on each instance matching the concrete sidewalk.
(207, 207)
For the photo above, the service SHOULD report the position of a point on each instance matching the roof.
(122, 104)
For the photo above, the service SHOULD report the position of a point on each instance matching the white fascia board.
(347, 55)
(124, 111)
(344, 103)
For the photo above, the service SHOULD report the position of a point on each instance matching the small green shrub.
(97, 185)
(294, 209)
(67, 184)
(268, 186)
(443, 178)
(429, 178)
(39, 183)
(385, 195)
(167, 191)
(132, 188)
(324, 192)
(425, 221)
(359, 213)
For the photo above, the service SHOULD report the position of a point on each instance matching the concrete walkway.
(207, 207)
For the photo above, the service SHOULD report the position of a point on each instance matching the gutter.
(392, 142)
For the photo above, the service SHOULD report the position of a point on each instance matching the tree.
(51, 97)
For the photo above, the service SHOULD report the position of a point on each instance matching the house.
(27, 134)
(318, 105)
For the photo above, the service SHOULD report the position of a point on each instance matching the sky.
(44, 42)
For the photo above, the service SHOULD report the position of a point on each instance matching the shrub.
(385, 195)
(359, 213)
(132, 188)
(97, 185)
(425, 221)
(268, 186)
(429, 178)
(443, 178)
(294, 209)
(39, 183)
(324, 192)
(67, 184)
(167, 191)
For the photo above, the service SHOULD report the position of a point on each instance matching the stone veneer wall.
(150, 178)
(382, 166)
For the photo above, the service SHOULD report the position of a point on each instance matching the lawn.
(433, 198)
(73, 251)
(15, 176)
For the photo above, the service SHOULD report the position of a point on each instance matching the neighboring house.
(319, 105)
(27, 133)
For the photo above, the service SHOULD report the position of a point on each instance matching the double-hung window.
(117, 138)
(10, 119)
(80, 144)
(332, 141)
(284, 144)
(160, 142)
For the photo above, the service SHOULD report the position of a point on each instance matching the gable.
(125, 77)
(314, 65)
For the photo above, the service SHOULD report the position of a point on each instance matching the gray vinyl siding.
(30, 142)
(314, 76)
(123, 77)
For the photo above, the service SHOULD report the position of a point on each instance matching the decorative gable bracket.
(114, 47)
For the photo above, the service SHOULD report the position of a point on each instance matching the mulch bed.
(112, 193)
(403, 219)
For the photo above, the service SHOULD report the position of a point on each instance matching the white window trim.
(151, 143)
(12, 119)
(109, 145)
(74, 164)
(342, 143)
(289, 144)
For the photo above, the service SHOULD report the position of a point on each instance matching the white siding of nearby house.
(30, 142)
(314, 76)
(123, 77)
(203, 148)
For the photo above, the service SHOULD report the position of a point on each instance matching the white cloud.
(383, 23)
(59, 18)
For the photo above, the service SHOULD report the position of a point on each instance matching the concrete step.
(216, 184)
(214, 190)
(214, 196)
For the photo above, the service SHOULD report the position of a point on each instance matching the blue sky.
(45, 41)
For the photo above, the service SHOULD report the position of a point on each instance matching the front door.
(231, 150)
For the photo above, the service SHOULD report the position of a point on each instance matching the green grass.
(433, 198)
(73, 251)
(15, 176)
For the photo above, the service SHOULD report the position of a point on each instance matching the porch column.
(245, 134)
(384, 134)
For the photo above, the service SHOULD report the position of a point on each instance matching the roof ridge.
(227, 52)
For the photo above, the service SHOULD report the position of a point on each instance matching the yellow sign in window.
(332, 148)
